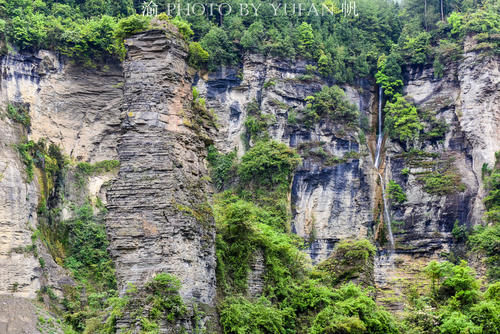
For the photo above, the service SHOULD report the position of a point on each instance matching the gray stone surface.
(157, 221)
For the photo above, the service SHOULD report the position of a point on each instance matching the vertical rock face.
(329, 203)
(72, 107)
(469, 106)
(157, 219)
(467, 100)
(20, 272)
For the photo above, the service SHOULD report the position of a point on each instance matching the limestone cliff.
(140, 112)
(156, 221)
(334, 202)
(329, 202)
(62, 103)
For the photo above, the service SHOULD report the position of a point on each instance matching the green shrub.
(86, 243)
(402, 120)
(92, 40)
(222, 166)
(352, 311)
(438, 68)
(453, 283)
(395, 192)
(389, 75)
(19, 115)
(416, 49)
(331, 102)
(438, 183)
(457, 323)
(184, 27)
(128, 26)
(268, 163)
(98, 167)
(239, 315)
(198, 57)
(350, 259)
(165, 301)
(486, 239)
(25, 152)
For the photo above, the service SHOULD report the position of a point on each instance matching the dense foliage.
(402, 120)
(395, 192)
(454, 304)
(345, 46)
(486, 239)
(331, 102)
(253, 225)
(268, 163)
(252, 210)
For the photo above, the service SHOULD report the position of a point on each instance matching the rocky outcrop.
(159, 220)
(466, 100)
(73, 107)
(340, 201)
(69, 106)
(329, 202)
(24, 316)
(469, 106)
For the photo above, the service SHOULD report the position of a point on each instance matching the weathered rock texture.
(329, 203)
(158, 220)
(24, 316)
(467, 98)
(69, 106)
(72, 107)
(339, 201)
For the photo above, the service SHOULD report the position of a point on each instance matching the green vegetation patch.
(455, 303)
(222, 167)
(19, 114)
(252, 218)
(331, 103)
(402, 120)
(486, 239)
(351, 259)
(396, 192)
(268, 163)
(437, 183)
(316, 152)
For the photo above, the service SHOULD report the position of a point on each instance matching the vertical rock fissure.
(378, 154)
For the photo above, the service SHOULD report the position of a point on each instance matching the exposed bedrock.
(150, 223)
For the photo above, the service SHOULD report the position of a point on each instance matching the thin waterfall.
(384, 266)
(380, 135)
(386, 213)
(380, 138)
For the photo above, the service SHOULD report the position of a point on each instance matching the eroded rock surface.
(158, 219)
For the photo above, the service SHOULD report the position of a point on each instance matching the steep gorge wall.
(73, 108)
(334, 202)
(70, 107)
(151, 224)
(329, 202)
(139, 113)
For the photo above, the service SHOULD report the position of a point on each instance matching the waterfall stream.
(378, 153)
(386, 213)
(380, 135)
(384, 266)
